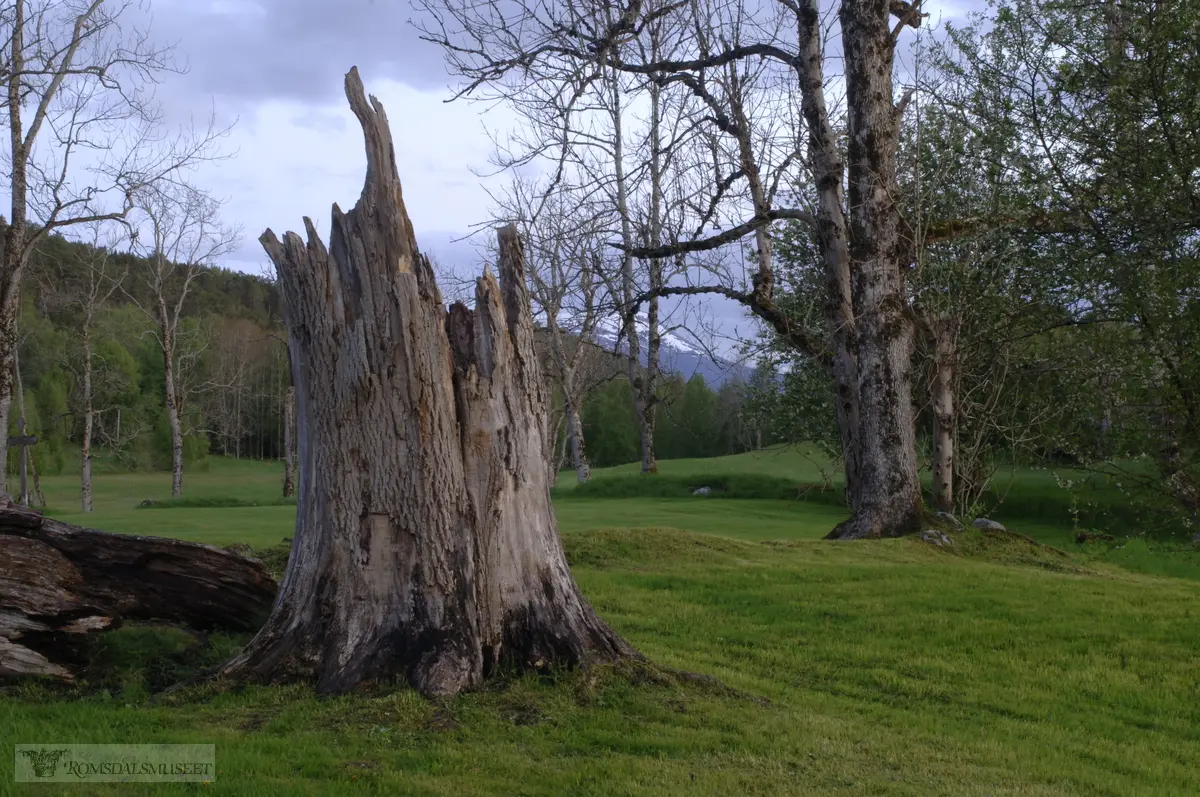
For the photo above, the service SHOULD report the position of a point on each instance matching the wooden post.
(23, 441)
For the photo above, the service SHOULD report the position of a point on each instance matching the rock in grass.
(938, 538)
(702, 491)
(984, 524)
(948, 519)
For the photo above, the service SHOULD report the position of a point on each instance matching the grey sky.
(277, 67)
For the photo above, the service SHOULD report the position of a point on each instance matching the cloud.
(248, 50)
(297, 158)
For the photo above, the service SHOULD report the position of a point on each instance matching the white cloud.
(295, 159)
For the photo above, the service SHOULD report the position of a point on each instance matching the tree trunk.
(648, 402)
(558, 456)
(172, 402)
(833, 242)
(289, 443)
(85, 445)
(648, 405)
(58, 581)
(945, 413)
(889, 496)
(14, 239)
(629, 327)
(583, 471)
(425, 548)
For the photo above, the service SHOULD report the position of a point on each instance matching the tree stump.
(58, 581)
(426, 547)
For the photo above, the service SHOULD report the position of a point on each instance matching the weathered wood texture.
(888, 501)
(425, 545)
(57, 579)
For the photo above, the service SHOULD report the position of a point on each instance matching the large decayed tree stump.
(425, 548)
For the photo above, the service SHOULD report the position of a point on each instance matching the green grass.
(881, 668)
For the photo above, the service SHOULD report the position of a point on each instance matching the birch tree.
(178, 233)
(81, 291)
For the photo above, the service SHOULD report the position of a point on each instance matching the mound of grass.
(1011, 548)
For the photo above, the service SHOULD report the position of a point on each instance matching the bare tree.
(178, 233)
(853, 209)
(565, 251)
(82, 288)
(84, 133)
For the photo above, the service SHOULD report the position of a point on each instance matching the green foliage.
(1111, 138)
(610, 426)
(130, 429)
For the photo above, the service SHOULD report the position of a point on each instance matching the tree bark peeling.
(426, 547)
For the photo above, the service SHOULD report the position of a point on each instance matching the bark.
(945, 413)
(15, 253)
(833, 241)
(888, 499)
(59, 580)
(171, 397)
(85, 445)
(579, 461)
(425, 547)
(648, 403)
(558, 456)
(629, 290)
(289, 443)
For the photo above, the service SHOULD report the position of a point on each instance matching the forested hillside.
(232, 374)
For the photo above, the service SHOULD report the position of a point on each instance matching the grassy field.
(876, 668)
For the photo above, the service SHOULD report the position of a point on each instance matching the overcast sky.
(276, 66)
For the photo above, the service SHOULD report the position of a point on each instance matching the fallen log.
(58, 581)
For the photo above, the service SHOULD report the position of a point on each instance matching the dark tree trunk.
(58, 580)
(888, 501)
(425, 546)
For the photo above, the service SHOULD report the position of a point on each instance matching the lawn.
(878, 668)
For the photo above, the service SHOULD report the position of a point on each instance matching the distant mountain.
(676, 355)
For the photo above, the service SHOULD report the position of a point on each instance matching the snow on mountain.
(676, 353)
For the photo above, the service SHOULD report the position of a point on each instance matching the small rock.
(938, 538)
(984, 524)
(148, 502)
(948, 519)
(702, 491)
